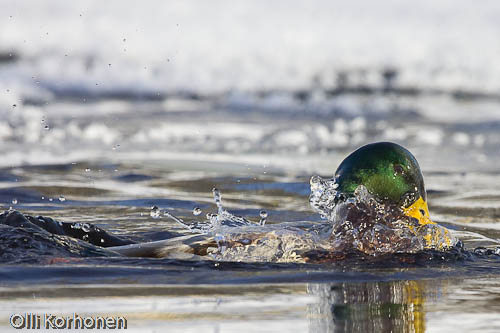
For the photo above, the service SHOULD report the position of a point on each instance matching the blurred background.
(292, 85)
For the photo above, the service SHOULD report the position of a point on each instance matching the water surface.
(391, 293)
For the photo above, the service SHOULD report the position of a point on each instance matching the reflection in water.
(396, 306)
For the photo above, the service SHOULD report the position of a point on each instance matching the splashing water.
(323, 196)
(371, 226)
(155, 212)
(359, 223)
(239, 239)
(214, 222)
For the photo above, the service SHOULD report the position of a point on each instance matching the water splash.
(371, 226)
(359, 223)
(218, 199)
(239, 239)
(214, 222)
(323, 197)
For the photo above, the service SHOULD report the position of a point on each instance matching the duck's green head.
(387, 170)
(390, 173)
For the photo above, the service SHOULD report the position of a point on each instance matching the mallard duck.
(391, 174)
(392, 182)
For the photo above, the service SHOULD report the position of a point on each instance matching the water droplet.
(155, 212)
(124, 39)
(46, 127)
(217, 198)
(196, 211)
(102, 240)
(14, 201)
(43, 198)
(62, 198)
(50, 199)
(86, 227)
(14, 105)
(263, 217)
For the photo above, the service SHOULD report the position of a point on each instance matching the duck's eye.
(398, 169)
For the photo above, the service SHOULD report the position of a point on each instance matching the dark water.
(410, 293)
